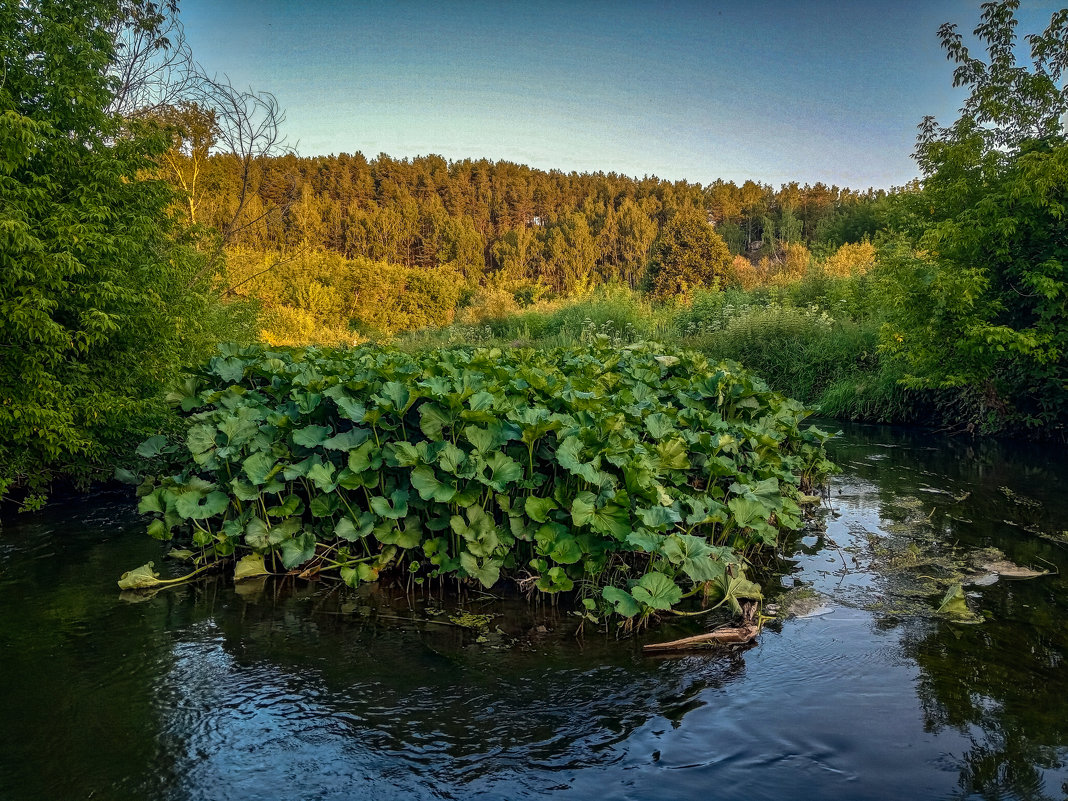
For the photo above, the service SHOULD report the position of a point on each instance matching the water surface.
(275, 691)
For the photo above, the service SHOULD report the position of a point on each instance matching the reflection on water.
(204, 693)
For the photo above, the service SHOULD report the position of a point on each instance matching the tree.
(688, 255)
(981, 279)
(98, 301)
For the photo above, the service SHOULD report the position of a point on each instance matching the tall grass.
(816, 341)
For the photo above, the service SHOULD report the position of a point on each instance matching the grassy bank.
(814, 342)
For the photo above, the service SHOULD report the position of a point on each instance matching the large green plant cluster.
(631, 475)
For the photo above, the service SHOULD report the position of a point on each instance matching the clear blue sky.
(774, 91)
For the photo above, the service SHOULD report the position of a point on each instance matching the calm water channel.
(204, 692)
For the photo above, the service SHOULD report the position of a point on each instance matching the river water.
(275, 691)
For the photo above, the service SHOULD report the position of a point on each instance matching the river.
(308, 692)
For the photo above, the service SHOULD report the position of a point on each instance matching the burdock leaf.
(657, 591)
(311, 436)
(622, 601)
(298, 550)
(429, 487)
(250, 566)
(151, 446)
(538, 509)
(194, 506)
(140, 578)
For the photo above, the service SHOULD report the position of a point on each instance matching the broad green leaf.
(151, 503)
(350, 408)
(311, 436)
(694, 556)
(259, 467)
(452, 459)
(367, 456)
(151, 446)
(747, 511)
(201, 438)
(426, 483)
(298, 550)
(555, 579)
(645, 540)
(671, 455)
(347, 440)
(657, 517)
(322, 475)
(250, 566)
(433, 419)
(659, 425)
(290, 506)
(158, 530)
(656, 591)
(538, 509)
(396, 396)
(195, 506)
(230, 370)
(407, 536)
(610, 519)
(351, 531)
(482, 439)
(504, 471)
(622, 601)
(400, 454)
(393, 508)
(124, 476)
(140, 578)
(566, 551)
(323, 505)
(487, 571)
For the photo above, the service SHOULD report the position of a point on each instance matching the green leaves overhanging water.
(633, 477)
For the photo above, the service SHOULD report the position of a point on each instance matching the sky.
(773, 91)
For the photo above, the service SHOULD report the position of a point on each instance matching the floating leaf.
(140, 578)
(249, 567)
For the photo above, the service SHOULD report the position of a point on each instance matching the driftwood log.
(727, 635)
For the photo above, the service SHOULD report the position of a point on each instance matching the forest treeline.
(500, 221)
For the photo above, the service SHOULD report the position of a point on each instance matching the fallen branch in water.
(724, 636)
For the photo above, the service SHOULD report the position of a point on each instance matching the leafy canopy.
(99, 301)
(981, 282)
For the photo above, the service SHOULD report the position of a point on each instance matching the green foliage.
(982, 292)
(99, 303)
(323, 298)
(689, 255)
(586, 468)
